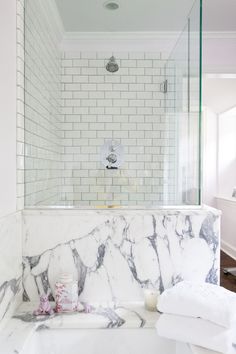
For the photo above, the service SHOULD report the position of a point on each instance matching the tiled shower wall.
(20, 104)
(42, 124)
(127, 106)
(73, 106)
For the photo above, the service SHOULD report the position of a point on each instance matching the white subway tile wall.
(127, 106)
(42, 125)
(20, 104)
(73, 105)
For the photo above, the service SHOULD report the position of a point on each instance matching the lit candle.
(150, 299)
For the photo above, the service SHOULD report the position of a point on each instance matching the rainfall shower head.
(112, 65)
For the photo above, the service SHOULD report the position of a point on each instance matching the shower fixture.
(164, 86)
(112, 154)
(112, 65)
(111, 5)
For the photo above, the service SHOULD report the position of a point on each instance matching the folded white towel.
(196, 331)
(196, 349)
(208, 301)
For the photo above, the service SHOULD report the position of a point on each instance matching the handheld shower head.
(112, 65)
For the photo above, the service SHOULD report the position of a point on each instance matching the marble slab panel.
(10, 265)
(115, 254)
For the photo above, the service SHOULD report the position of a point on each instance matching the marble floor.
(228, 281)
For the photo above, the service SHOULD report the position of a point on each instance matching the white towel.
(204, 300)
(196, 331)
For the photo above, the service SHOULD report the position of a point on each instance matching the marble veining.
(114, 255)
(8, 291)
(10, 265)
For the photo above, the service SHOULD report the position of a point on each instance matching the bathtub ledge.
(23, 324)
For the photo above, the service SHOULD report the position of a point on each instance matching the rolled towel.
(208, 301)
(196, 331)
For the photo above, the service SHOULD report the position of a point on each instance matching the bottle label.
(66, 297)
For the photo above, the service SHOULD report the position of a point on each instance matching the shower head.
(112, 65)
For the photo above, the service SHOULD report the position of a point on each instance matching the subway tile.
(88, 103)
(88, 55)
(72, 71)
(80, 94)
(104, 87)
(80, 110)
(80, 78)
(80, 62)
(105, 102)
(88, 71)
(120, 102)
(88, 87)
(144, 63)
(96, 79)
(96, 95)
(66, 63)
(89, 134)
(97, 106)
(129, 63)
(113, 94)
(120, 87)
(96, 126)
(136, 87)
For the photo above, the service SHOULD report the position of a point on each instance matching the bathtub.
(120, 330)
(228, 224)
(102, 341)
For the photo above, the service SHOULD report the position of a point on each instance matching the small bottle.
(66, 294)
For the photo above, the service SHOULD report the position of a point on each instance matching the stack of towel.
(201, 314)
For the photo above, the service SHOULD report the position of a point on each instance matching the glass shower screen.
(111, 129)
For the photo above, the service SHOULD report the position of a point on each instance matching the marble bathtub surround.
(23, 324)
(115, 254)
(10, 265)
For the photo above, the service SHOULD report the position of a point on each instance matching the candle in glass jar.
(150, 299)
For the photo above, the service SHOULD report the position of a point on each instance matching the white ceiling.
(219, 15)
(133, 15)
(144, 15)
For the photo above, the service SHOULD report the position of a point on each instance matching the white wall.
(227, 153)
(219, 91)
(210, 152)
(7, 107)
(219, 136)
(228, 225)
(219, 52)
(219, 160)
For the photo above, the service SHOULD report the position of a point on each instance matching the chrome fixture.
(112, 154)
(111, 5)
(112, 158)
(164, 86)
(112, 65)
